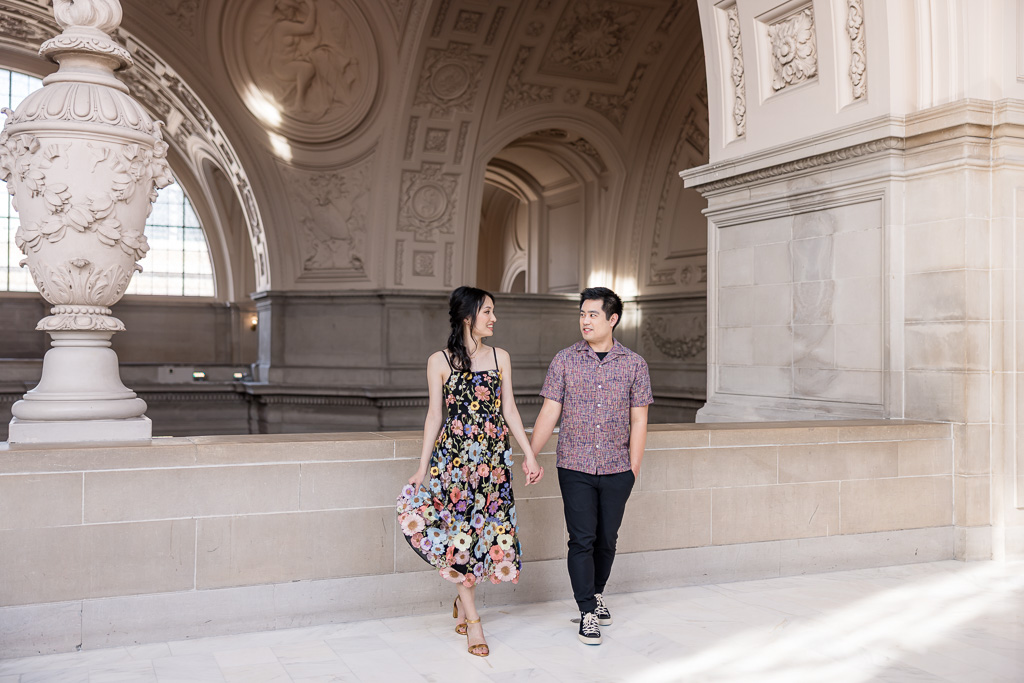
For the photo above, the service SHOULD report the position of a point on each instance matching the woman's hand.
(417, 479)
(534, 472)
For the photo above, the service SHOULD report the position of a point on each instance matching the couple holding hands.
(458, 511)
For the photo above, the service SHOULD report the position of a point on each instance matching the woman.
(464, 521)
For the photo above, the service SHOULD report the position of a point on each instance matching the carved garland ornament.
(739, 103)
(858, 49)
(686, 347)
(794, 50)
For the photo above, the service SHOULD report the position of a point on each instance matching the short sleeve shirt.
(596, 396)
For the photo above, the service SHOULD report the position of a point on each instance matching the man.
(601, 390)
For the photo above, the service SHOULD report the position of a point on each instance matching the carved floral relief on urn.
(83, 162)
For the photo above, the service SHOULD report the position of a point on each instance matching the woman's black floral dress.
(464, 523)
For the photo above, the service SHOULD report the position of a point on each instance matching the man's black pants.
(594, 505)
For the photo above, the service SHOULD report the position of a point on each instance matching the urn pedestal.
(83, 162)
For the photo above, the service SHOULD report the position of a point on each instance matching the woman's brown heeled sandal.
(479, 649)
(459, 628)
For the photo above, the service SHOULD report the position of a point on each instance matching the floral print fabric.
(463, 520)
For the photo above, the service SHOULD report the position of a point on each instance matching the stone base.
(135, 619)
(80, 431)
(724, 408)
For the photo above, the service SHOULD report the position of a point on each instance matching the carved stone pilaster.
(739, 103)
(83, 162)
(858, 48)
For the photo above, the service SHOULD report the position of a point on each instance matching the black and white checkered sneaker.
(604, 615)
(590, 631)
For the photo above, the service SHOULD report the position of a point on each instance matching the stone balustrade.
(189, 537)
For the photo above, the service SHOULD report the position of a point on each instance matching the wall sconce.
(198, 376)
(254, 320)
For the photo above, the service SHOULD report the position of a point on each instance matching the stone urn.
(83, 162)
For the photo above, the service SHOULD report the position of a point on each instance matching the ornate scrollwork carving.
(858, 48)
(449, 80)
(739, 102)
(519, 93)
(615, 107)
(688, 346)
(428, 202)
(794, 49)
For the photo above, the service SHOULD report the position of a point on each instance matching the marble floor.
(943, 621)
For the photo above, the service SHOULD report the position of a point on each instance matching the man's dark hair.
(611, 304)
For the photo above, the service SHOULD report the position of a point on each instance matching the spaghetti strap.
(495, 358)
(449, 361)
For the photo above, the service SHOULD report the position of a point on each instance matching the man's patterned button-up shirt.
(596, 396)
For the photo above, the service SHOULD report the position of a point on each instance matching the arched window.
(178, 262)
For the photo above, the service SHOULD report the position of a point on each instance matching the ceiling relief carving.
(460, 145)
(615, 107)
(858, 49)
(423, 263)
(492, 30)
(307, 69)
(449, 80)
(442, 14)
(428, 202)
(794, 52)
(468, 21)
(331, 213)
(436, 141)
(16, 27)
(519, 93)
(182, 12)
(592, 38)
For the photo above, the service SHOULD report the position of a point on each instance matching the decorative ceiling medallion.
(592, 39)
(306, 69)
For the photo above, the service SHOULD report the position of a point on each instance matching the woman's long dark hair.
(465, 302)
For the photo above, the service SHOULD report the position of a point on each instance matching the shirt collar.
(617, 349)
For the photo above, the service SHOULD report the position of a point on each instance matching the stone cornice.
(965, 119)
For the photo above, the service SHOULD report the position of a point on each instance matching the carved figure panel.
(449, 80)
(307, 68)
(794, 52)
(331, 214)
(428, 202)
(592, 39)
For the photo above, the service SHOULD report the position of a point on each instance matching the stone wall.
(191, 537)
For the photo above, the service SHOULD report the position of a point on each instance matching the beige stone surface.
(972, 500)
(352, 484)
(666, 470)
(922, 458)
(765, 433)
(257, 549)
(541, 528)
(865, 460)
(70, 563)
(163, 452)
(215, 450)
(761, 513)
(739, 466)
(40, 500)
(890, 504)
(665, 519)
(677, 436)
(129, 495)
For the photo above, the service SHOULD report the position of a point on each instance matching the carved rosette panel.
(592, 38)
(428, 202)
(682, 338)
(82, 232)
(794, 51)
(307, 68)
(449, 81)
(858, 48)
(739, 101)
(331, 210)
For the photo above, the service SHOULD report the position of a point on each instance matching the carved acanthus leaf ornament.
(858, 48)
(739, 103)
(794, 49)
